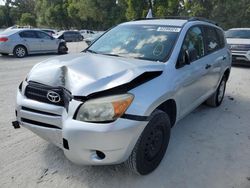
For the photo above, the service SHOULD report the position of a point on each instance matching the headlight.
(104, 109)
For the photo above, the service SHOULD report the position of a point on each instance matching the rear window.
(8, 32)
(28, 34)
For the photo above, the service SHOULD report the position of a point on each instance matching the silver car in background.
(118, 100)
(22, 42)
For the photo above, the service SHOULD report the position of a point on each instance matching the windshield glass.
(242, 34)
(149, 42)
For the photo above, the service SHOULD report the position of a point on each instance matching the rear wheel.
(20, 51)
(216, 99)
(152, 144)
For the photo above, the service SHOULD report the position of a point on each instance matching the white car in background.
(238, 40)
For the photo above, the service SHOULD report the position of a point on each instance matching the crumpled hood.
(86, 73)
(238, 41)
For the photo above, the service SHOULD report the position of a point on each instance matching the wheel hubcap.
(221, 91)
(20, 52)
(153, 144)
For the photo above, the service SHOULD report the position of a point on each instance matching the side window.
(66, 34)
(221, 38)
(28, 34)
(42, 35)
(212, 40)
(194, 42)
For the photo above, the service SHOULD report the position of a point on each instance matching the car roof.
(177, 21)
(9, 32)
(172, 22)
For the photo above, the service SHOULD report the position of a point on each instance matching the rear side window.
(28, 34)
(212, 40)
(220, 34)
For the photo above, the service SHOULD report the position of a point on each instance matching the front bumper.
(80, 141)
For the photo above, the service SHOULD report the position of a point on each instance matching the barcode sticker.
(169, 29)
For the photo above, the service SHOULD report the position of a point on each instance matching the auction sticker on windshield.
(169, 29)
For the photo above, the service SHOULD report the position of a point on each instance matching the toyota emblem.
(53, 97)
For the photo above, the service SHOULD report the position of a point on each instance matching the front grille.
(240, 47)
(39, 123)
(39, 112)
(39, 92)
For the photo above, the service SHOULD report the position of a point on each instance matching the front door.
(47, 43)
(192, 77)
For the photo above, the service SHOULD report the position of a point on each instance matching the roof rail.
(189, 19)
(202, 19)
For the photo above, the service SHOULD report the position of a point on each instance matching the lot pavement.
(210, 148)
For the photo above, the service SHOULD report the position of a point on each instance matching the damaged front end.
(81, 108)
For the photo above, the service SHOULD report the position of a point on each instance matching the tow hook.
(15, 124)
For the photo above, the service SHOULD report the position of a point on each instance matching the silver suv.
(118, 100)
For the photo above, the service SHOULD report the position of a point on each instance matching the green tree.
(136, 9)
(52, 13)
(28, 19)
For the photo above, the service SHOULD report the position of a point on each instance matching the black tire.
(216, 99)
(4, 54)
(20, 51)
(152, 144)
(62, 49)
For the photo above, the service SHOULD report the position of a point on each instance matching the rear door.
(30, 39)
(47, 42)
(216, 55)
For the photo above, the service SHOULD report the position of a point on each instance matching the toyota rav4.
(117, 100)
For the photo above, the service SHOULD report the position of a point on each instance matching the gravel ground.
(210, 148)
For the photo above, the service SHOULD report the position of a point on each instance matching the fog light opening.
(100, 154)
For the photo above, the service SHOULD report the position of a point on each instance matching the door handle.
(42, 40)
(224, 57)
(208, 66)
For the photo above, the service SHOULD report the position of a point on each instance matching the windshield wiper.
(111, 55)
(91, 51)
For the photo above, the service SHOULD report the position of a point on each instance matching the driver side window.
(194, 41)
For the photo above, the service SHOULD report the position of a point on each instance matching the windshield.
(148, 42)
(242, 34)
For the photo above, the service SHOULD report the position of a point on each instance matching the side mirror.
(186, 57)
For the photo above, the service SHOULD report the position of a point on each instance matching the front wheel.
(152, 144)
(216, 99)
